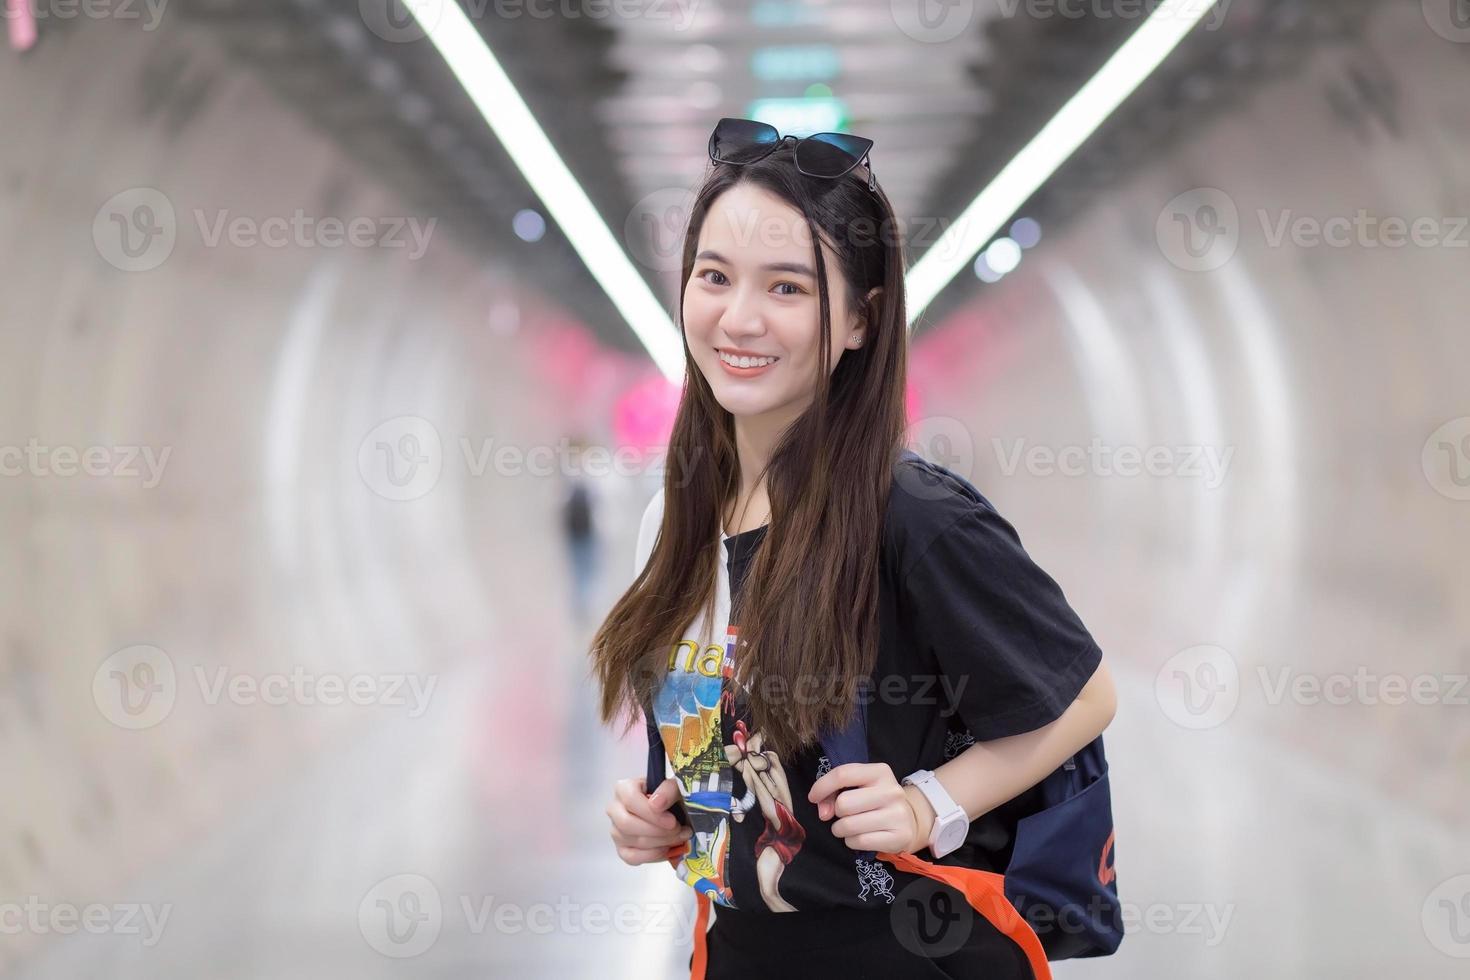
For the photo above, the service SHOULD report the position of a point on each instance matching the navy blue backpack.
(1060, 877)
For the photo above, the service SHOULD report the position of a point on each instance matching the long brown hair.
(809, 609)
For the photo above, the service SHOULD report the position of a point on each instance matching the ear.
(859, 332)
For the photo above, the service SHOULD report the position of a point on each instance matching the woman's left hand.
(875, 812)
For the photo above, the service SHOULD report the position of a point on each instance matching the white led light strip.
(501, 105)
(1143, 52)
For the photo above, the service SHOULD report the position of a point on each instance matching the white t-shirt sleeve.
(648, 531)
(647, 535)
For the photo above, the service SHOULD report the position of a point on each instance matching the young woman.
(800, 570)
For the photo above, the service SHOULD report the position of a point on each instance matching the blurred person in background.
(579, 528)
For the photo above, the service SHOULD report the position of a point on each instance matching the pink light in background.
(644, 414)
(563, 354)
(913, 402)
(945, 354)
(22, 24)
(960, 356)
(582, 376)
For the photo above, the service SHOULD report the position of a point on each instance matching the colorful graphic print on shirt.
(687, 709)
(697, 697)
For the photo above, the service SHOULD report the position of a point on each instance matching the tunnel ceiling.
(629, 102)
(1037, 64)
(396, 107)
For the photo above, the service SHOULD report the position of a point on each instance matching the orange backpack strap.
(701, 919)
(985, 891)
(700, 961)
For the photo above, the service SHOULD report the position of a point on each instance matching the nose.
(742, 316)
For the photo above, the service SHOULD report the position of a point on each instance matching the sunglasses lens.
(831, 154)
(742, 140)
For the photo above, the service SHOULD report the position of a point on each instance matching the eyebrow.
(799, 268)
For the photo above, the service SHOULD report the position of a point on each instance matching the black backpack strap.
(850, 745)
(657, 759)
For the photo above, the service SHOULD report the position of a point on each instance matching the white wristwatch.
(951, 824)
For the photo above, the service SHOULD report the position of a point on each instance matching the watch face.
(952, 836)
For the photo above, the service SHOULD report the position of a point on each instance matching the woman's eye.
(795, 290)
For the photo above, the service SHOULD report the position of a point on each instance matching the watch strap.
(946, 810)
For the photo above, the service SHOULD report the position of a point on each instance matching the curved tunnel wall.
(227, 392)
(1311, 351)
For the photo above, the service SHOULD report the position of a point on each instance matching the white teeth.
(746, 362)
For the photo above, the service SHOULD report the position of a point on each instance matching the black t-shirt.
(976, 642)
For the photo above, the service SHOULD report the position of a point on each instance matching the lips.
(746, 372)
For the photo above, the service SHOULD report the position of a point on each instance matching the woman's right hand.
(643, 829)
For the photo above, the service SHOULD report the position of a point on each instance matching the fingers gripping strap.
(985, 891)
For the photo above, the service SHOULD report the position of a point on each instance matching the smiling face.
(751, 309)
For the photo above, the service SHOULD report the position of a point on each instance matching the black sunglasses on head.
(829, 155)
